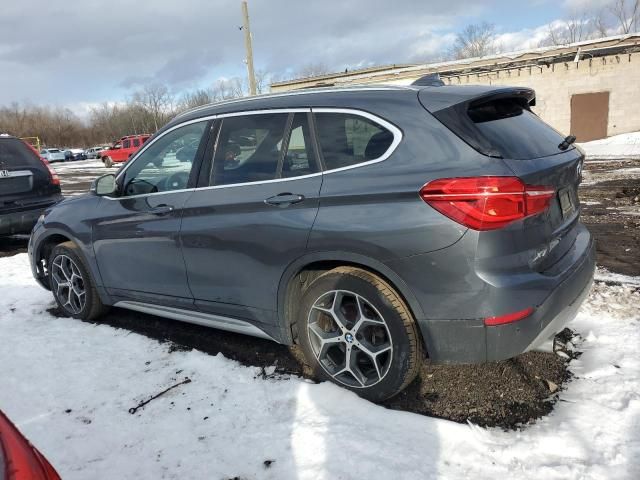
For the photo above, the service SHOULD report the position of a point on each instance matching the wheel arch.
(304, 270)
(42, 249)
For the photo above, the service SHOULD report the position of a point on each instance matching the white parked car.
(52, 154)
(94, 152)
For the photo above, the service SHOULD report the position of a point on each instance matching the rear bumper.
(23, 221)
(556, 301)
(551, 317)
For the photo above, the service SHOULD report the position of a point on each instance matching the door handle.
(161, 210)
(284, 199)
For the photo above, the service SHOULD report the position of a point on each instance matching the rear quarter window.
(348, 139)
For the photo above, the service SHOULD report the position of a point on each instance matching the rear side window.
(14, 153)
(348, 139)
(249, 148)
(136, 142)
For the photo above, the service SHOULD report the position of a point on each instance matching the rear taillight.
(21, 460)
(486, 203)
(55, 180)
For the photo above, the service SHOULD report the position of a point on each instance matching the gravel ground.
(505, 394)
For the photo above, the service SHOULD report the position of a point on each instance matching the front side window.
(348, 139)
(249, 148)
(166, 164)
(126, 144)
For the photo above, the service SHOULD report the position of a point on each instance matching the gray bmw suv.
(372, 226)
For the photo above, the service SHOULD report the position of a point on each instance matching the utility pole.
(247, 45)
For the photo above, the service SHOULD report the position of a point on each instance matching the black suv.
(28, 185)
(368, 225)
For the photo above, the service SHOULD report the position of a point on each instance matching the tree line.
(616, 18)
(145, 111)
(151, 106)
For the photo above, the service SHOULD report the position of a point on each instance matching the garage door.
(589, 116)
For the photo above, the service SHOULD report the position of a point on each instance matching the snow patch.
(69, 385)
(626, 145)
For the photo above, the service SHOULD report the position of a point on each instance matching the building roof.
(530, 57)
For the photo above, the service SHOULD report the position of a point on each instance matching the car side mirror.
(104, 185)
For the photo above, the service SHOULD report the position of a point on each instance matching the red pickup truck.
(122, 149)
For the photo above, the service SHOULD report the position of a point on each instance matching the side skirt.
(198, 318)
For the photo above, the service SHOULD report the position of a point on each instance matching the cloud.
(89, 47)
(89, 51)
(523, 39)
(587, 6)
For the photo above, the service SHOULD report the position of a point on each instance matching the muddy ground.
(610, 199)
(506, 394)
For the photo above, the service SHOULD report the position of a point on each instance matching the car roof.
(135, 136)
(293, 99)
(431, 96)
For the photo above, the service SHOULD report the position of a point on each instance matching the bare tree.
(477, 40)
(157, 101)
(626, 13)
(577, 27)
(195, 99)
(601, 23)
(312, 70)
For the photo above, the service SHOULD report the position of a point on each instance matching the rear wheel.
(358, 333)
(72, 284)
(107, 162)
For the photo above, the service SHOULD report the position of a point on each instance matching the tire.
(67, 266)
(378, 333)
(107, 162)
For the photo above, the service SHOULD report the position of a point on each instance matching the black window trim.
(396, 131)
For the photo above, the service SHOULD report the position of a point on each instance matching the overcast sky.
(79, 53)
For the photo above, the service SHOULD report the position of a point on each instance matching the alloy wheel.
(68, 284)
(350, 339)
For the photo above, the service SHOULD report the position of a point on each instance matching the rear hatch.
(25, 178)
(499, 123)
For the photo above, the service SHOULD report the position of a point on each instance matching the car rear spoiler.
(451, 105)
(435, 98)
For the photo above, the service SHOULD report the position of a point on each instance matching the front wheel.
(358, 333)
(72, 284)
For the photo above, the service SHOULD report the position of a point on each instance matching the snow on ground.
(604, 275)
(69, 385)
(626, 145)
